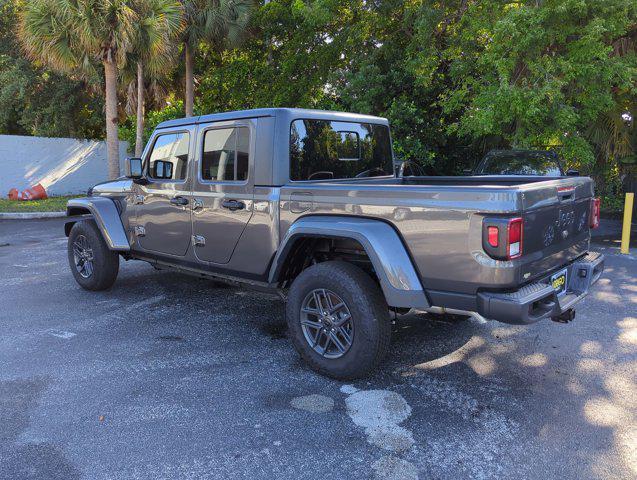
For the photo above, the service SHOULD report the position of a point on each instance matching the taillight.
(595, 207)
(514, 238)
(493, 233)
(502, 237)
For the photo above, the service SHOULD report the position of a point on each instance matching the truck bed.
(440, 220)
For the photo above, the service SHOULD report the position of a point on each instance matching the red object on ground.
(33, 193)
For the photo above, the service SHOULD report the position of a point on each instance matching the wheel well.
(74, 212)
(308, 251)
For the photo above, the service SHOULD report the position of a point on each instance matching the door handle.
(181, 201)
(233, 205)
(197, 204)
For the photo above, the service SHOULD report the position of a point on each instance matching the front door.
(163, 204)
(223, 188)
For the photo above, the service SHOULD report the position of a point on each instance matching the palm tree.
(222, 23)
(153, 49)
(71, 35)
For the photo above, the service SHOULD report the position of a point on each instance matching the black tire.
(105, 263)
(369, 314)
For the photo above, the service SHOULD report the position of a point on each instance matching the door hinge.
(140, 231)
(139, 199)
(198, 240)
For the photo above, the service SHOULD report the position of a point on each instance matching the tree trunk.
(190, 82)
(139, 134)
(112, 142)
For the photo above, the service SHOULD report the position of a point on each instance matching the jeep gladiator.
(305, 203)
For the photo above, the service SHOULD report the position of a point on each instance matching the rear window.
(326, 150)
(519, 163)
(225, 154)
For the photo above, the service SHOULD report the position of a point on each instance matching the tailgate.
(556, 223)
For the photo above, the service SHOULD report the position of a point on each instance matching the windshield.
(519, 163)
(329, 150)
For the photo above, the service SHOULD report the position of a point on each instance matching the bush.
(171, 111)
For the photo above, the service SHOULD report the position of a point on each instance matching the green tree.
(38, 101)
(152, 52)
(74, 34)
(220, 23)
(539, 74)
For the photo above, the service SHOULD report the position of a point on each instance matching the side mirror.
(134, 168)
(467, 171)
(571, 172)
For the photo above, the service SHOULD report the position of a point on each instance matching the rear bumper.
(538, 300)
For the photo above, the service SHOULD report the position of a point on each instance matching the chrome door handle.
(181, 201)
(197, 204)
(233, 205)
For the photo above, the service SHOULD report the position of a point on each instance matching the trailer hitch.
(565, 317)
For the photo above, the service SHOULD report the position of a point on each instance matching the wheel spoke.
(89, 268)
(345, 334)
(311, 311)
(328, 301)
(319, 333)
(342, 320)
(317, 301)
(328, 340)
(312, 324)
(336, 308)
(337, 342)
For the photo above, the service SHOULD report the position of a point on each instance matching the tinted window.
(225, 154)
(321, 149)
(519, 163)
(169, 157)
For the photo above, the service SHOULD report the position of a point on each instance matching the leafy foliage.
(455, 78)
(36, 101)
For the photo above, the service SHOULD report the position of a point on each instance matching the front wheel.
(338, 320)
(92, 263)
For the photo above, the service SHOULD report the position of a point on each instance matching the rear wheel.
(338, 320)
(92, 263)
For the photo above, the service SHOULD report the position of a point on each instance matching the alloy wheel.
(327, 323)
(83, 256)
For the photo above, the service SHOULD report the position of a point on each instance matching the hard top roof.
(283, 113)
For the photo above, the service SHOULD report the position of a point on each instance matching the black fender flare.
(105, 214)
(393, 265)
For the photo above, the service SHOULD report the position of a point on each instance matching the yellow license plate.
(558, 281)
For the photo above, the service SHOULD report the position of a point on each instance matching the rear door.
(223, 188)
(163, 204)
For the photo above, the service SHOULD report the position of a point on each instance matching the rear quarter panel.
(440, 225)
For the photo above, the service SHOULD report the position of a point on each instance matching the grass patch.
(52, 204)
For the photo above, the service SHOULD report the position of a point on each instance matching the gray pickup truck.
(305, 203)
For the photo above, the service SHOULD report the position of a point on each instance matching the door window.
(169, 157)
(226, 154)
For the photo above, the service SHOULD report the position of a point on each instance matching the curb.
(31, 215)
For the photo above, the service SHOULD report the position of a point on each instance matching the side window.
(226, 154)
(169, 157)
(326, 150)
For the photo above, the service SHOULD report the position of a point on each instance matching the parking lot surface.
(167, 376)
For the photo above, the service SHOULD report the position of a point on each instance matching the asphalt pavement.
(170, 377)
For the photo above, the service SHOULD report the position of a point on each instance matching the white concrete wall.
(64, 166)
